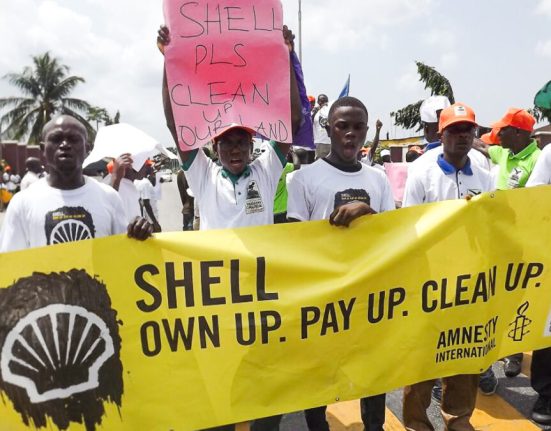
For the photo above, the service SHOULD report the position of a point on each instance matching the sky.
(496, 53)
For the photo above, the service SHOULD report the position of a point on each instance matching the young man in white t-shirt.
(340, 188)
(451, 175)
(65, 206)
(540, 372)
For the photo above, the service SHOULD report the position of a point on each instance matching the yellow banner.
(192, 330)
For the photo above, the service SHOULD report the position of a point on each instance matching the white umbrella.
(117, 139)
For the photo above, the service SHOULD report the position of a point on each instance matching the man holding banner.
(66, 206)
(340, 188)
(238, 192)
(540, 376)
(450, 176)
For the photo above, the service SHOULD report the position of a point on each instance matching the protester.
(321, 139)
(34, 171)
(187, 201)
(341, 189)
(243, 192)
(369, 158)
(121, 177)
(540, 372)
(515, 159)
(312, 101)
(451, 175)
(280, 200)
(518, 152)
(236, 192)
(430, 113)
(146, 192)
(413, 153)
(323, 100)
(65, 206)
(385, 156)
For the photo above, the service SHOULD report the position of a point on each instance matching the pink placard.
(227, 64)
(397, 174)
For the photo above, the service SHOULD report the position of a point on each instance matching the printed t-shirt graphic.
(68, 224)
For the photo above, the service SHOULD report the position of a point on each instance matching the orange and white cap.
(456, 113)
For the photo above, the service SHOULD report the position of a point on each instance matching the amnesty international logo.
(519, 326)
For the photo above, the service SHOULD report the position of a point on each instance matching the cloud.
(448, 60)
(408, 82)
(110, 44)
(544, 7)
(333, 28)
(543, 48)
(440, 37)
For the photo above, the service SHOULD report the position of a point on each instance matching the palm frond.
(64, 88)
(408, 117)
(79, 104)
(11, 101)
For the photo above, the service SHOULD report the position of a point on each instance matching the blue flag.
(346, 88)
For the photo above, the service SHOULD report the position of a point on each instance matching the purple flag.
(305, 134)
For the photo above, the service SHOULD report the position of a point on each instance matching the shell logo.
(48, 365)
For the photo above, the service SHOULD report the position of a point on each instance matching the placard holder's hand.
(163, 38)
(289, 38)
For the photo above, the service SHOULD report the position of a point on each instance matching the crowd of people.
(225, 187)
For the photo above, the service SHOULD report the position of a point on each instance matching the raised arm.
(378, 127)
(163, 39)
(296, 105)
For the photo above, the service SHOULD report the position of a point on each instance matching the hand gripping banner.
(191, 330)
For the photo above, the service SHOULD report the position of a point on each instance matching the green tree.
(541, 114)
(408, 117)
(46, 88)
(100, 115)
(97, 115)
(113, 120)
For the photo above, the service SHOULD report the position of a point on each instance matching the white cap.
(385, 152)
(430, 106)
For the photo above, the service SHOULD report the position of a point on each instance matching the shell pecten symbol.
(55, 352)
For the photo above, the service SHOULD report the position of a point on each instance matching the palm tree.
(97, 114)
(46, 88)
(101, 115)
(408, 117)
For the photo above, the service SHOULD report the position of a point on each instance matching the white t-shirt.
(429, 157)
(316, 190)
(130, 197)
(29, 178)
(320, 121)
(147, 191)
(42, 215)
(432, 184)
(249, 202)
(542, 170)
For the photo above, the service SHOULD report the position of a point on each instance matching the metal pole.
(300, 30)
